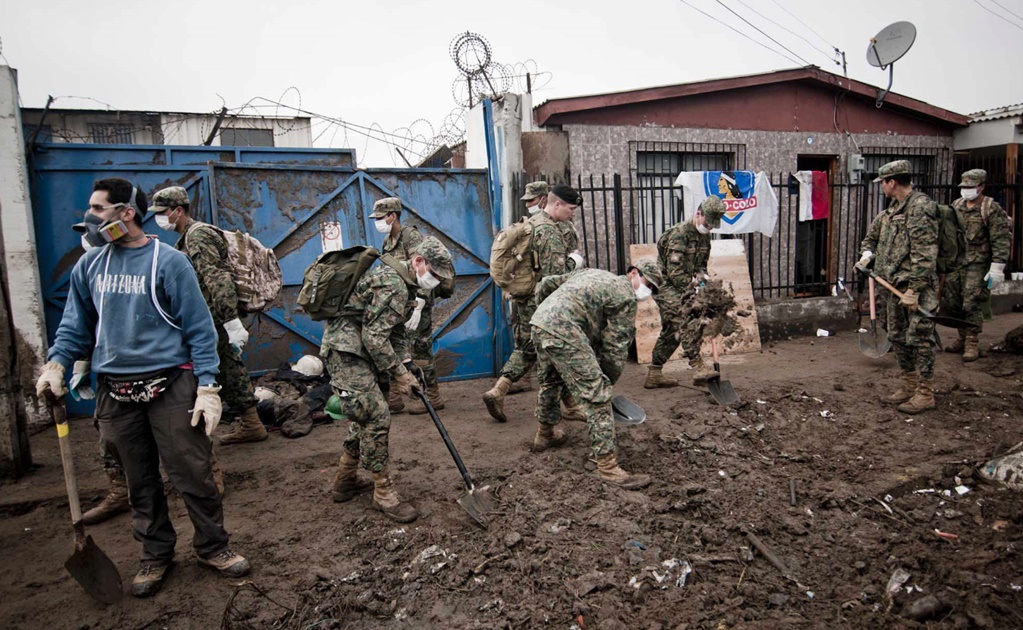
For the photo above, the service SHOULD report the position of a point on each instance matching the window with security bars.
(111, 133)
(658, 207)
(924, 166)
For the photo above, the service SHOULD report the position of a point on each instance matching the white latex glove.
(81, 383)
(578, 258)
(236, 334)
(51, 380)
(417, 314)
(866, 258)
(207, 407)
(995, 275)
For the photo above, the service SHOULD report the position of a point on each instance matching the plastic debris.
(894, 587)
(826, 414)
(946, 535)
(961, 490)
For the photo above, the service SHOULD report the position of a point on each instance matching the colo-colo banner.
(750, 202)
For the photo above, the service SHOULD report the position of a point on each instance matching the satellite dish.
(887, 47)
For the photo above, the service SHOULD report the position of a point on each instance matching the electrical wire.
(997, 15)
(732, 11)
(743, 35)
(1004, 8)
(830, 56)
(796, 17)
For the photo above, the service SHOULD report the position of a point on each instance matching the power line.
(805, 25)
(998, 15)
(741, 34)
(1006, 9)
(805, 62)
(830, 55)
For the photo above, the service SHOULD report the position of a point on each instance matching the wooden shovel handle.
(59, 414)
(873, 309)
(714, 349)
(899, 294)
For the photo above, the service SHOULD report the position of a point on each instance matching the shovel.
(873, 344)
(721, 390)
(88, 565)
(950, 322)
(627, 412)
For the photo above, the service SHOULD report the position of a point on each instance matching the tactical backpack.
(951, 239)
(329, 281)
(254, 269)
(513, 263)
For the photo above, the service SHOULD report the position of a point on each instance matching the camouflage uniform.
(682, 252)
(581, 330)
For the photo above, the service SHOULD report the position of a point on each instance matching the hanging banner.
(750, 202)
(330, 236)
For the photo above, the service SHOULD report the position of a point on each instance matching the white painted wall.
(190, 129)
(511, 115)
(988, 133)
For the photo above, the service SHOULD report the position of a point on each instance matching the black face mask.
(99, 232)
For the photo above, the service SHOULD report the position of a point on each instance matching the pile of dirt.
(713, 307)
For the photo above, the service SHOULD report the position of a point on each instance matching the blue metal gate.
(282, 197)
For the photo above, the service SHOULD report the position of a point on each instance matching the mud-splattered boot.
(573, 411)
(907, 387)
(114, 503)
(957, 345)
(611, 472)
(249, 428)
(702, 373)
(416, 405)
(395, 402)
(494, 399)
(548, 436)
(923, 398)
(387, 500)
(655, 378)
(971, 351)
(524, 384)
(347, 482)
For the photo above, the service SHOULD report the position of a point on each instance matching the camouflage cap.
(712, 209)
(534, 190)
(898, 167)
(651, 272)
(972, 178)
(168, 199)
(438, 256)
(385, 206)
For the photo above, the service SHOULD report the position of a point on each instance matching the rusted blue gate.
(283, 197)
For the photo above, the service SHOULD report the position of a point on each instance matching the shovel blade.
(722, 391)
(478, 502)
(95, 572)
(875, 345)
(627, 412)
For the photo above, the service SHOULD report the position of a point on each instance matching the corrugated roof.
(1006, 111)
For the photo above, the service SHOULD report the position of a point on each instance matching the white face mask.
(534, 209)
(643, 292)
(969, 194)
(427, 281)
(86, 245)
(164, 222)
(382, 226)
(702, 229)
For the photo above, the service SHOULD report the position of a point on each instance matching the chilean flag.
(814, 196)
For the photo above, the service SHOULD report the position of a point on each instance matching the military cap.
(534, 190)
(438, 256)
(972, 178)
(567, 194)
(898, 167)
(712, 209)
(651, 272)
(385, 206)
(168, 199)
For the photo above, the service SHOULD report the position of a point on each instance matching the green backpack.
(330, 280)
(951, 240)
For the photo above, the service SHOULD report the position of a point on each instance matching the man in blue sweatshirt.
(135, 305)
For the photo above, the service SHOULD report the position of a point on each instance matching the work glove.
(51, 380)
(611, 371)
(995, 275)
(404, 383)
(578, 258)
(417, 314)
(81, 383)
(207, 407)
(236, 334)
(910, 300)
(865, 259)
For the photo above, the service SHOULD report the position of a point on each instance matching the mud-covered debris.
(927, 607)
(512, 540)
(586, 584)
(711, 306)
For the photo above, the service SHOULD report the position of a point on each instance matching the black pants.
(143, 434)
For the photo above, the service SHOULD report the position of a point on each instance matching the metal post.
(619, 224)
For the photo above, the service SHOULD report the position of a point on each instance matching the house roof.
(552, 107)
(1006, 111)
(71, 111)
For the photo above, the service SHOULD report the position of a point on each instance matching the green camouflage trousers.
(912, 335)
(965, 293)
(567, 362)
(364, 404)
(422, 345)
(236, 389)
(674, 330)
(523, 357)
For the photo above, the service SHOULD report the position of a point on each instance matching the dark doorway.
(813, 238)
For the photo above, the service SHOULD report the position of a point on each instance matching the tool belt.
(140, 388)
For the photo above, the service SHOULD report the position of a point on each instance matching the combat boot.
(416, 405)
(548, 436)
(702, 373)
(249, 428)
(923, 398)
(958, 344)
(970, 348)
(347, 482)
(610, 472)
(395, 402)
(524, 384)
(655, 379)
(114, 503)
(387, 500)
(907, 387)
(494, 399)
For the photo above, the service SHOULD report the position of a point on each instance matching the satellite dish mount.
(886, 48)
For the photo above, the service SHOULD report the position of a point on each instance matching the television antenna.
(887, 47)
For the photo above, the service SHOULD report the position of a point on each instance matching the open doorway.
(813, 238)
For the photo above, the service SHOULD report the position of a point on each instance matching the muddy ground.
(567, 550)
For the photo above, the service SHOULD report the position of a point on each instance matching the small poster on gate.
(330, 236)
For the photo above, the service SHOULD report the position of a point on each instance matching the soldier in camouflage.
(682, 254)
(364, 349)
(903, 244)
(400, 242)
(582, 330)
(988, 234)
(555, 243)
(207, 250)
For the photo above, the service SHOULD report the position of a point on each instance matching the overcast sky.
(386, 63)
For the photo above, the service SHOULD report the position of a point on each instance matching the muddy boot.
(548, 436)
(114, 503)
(655, 379)
(905, 391)
(395, 402)
(957, 345)
(702, 372)
(609, 471)
(387, 500)
(923, 398)
(416, 406)
(970, 349)
(347, 483)
(524, 384)
(249, 428)
(494, 399)
(573, 411)
(218, 475)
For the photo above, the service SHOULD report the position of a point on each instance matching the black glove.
(612, 372)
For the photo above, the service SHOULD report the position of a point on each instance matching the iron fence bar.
(619, 224)
(582, 218)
